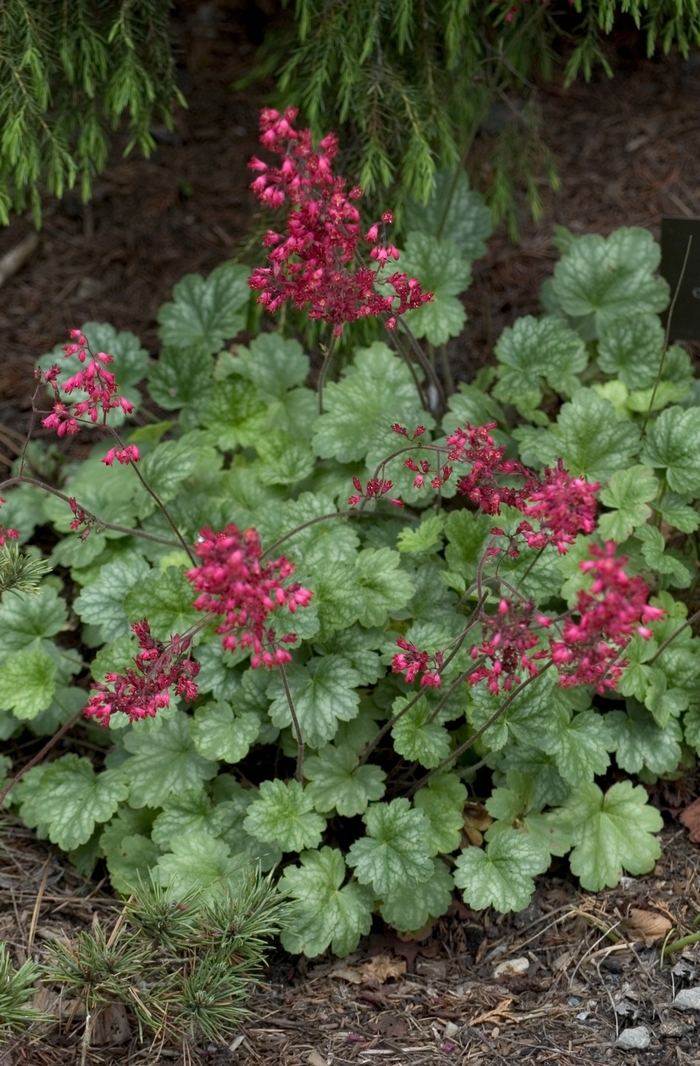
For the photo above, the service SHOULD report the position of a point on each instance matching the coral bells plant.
(293, 637)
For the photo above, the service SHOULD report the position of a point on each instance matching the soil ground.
(629, 152)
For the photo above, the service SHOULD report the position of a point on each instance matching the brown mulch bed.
(628, 153)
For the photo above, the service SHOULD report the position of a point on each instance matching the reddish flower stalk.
(310, 263)
(488, 464)
(141, 692)
(234, 584)
(375, 488)
(510, 638)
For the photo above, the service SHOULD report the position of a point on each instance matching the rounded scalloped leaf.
(205, 312)
(453, 210)
(502, 875)
(611, 277)
(537, 350)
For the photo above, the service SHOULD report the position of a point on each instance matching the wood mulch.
(628, 153)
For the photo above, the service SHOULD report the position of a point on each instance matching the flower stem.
(144, 534)
(299, 775)
(330, 352)
(479, 733)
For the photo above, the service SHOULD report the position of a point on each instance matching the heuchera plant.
(311, 636)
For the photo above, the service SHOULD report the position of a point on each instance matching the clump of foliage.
(183, 966)
(315, 622)
(69, 71)
(17, 986)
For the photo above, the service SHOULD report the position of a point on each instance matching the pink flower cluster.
(7, 534)
(482, 485)
(563, 505)
(141, 692)
(99, 384)
(234, 584)
(506, 648)
(614, 609)
(310, 263)
(587, 651)
(374, 489)
(415, 662)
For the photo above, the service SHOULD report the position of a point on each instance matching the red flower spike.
(142, 692)
(506, 642)
(310, 263)
(234, 584)
(589, 651)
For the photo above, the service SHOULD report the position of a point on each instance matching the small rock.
(450, 1031)
(636, 1039)
(512, 967)
(688, 999)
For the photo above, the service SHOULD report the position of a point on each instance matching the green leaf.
(674, 510)
(163, 761)
(323, 693)
(471, 404)
(502, 875)
(338, 598)
(410, 908)
(385, 587)
(330, 541)
(396, 850)
(639, 741)
(611, 277)
(338, 783)
(130, 863)
(468, 533)
(375, 391)
(198, 862)
(205, 313)
(217, 672)
(537, 351)
(672, 444)
(442, 802)
(27, 619)
(453, 210)
(72, 799)
(580, 745)
(415, 737)
(284, 815)
(441, 269)
(631, 348)
(283, 461)
(550, 787)
(168, 465)
(628, 493)
(221, 735)
(357, 646)
(424, 537)
(273, 363)
(323, 913)
(235, 416)
(165, 600)
(190, 811)
(526, 718)
(591, 439)
(612, 832)
(653, 550)
(27, 682)
(102, 602)
(181, 377)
